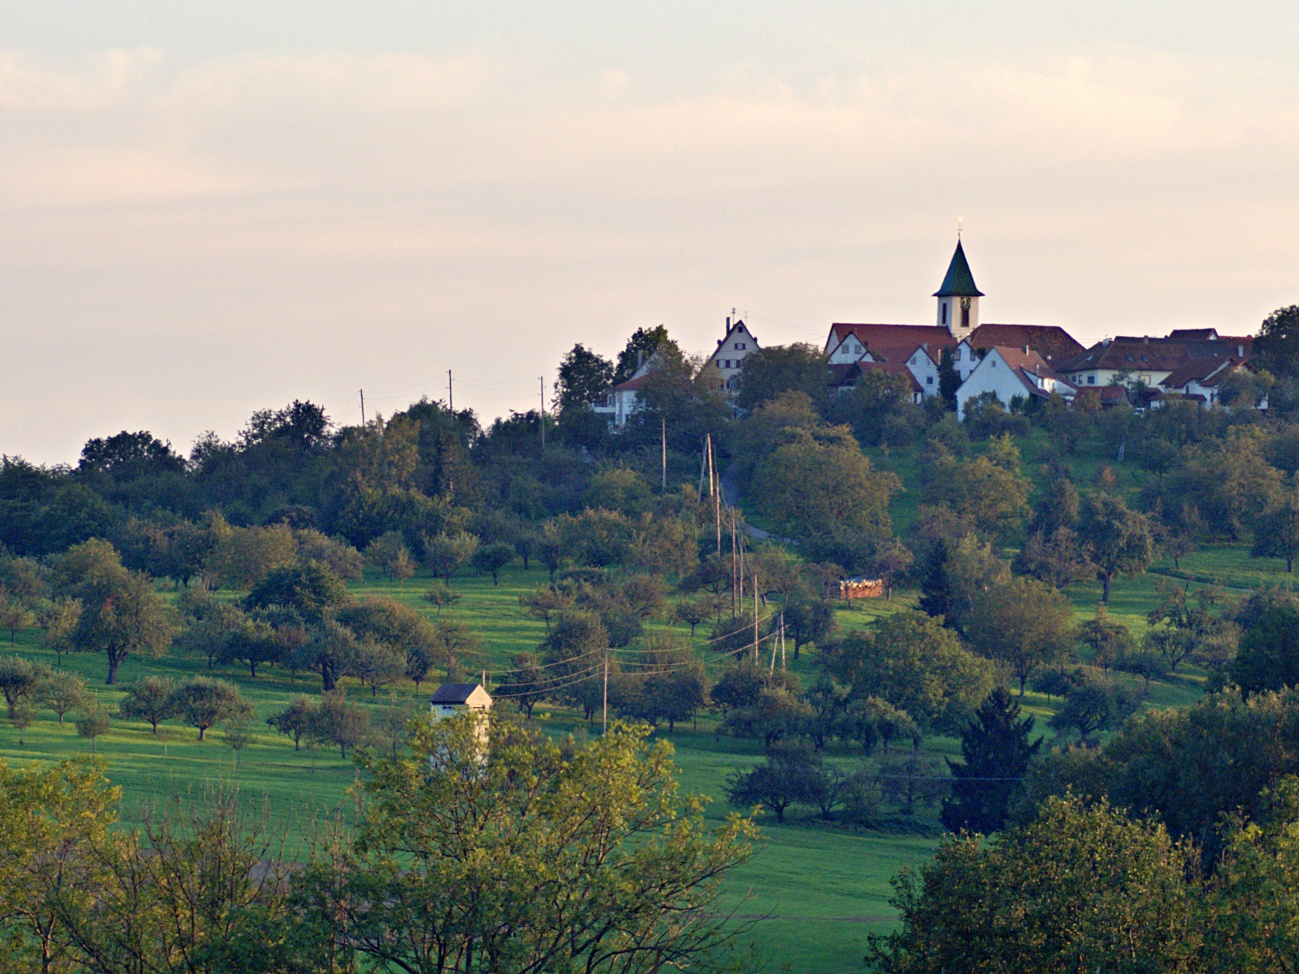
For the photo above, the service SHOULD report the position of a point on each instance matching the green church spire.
(959, 282)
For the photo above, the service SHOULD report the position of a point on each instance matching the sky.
(208, 209)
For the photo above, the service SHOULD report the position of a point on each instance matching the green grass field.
(812, 894)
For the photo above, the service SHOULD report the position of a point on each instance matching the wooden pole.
(755, 618)
(604, 714)
(542, 379)
(717, 494)
(362, 408)
(664, 482)
(734, 574)
(451, 395)
(782, 642)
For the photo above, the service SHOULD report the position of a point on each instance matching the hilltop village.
(964, 359)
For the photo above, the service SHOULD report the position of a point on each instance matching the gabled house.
(620, 401)
(456, 698)
(843, 378)
(1008, 373)
(1144, 360)
(732, 349)
(1201, 379)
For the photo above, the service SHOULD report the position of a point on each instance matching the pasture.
(813, 892)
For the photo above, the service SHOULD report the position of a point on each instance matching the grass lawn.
(820, 889)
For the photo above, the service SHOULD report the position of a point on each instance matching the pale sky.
(207, 209)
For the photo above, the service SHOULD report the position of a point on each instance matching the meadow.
(813, 892)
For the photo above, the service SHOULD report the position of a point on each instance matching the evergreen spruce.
(996, 749)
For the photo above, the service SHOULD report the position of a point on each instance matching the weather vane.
(960, 225)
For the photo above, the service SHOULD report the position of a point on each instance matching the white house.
(733, 348)
(1010, 372)
(620, 401)
(451, 699)
(457, 698)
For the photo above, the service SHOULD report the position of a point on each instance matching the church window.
(965, 317)
(944, 312)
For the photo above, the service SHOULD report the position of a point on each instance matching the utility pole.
(664, 483)
(362, 408)
(734, 574)
(542, 379)
(755, 619)
(717, 495)
(782, 642)
(451, 395)
(604, 714)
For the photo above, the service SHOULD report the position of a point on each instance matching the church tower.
(958, 298)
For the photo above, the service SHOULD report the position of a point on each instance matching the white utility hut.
(455, 698)
(451, 699)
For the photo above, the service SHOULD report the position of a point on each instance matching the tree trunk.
(114, 661)
(201, 732)
(326, 677)
(1105, 589)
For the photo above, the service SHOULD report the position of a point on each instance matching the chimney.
(1145, 339)
(728, 322)
(1240, 351)
(1025, 349)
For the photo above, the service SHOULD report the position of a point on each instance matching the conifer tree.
(997, 751)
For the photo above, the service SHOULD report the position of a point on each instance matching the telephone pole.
(604, 713)
(542, 380)
(451, 395)
(755, 619)
(362, 408)
(664, 483)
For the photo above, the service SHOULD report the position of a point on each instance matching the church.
(1027, 355)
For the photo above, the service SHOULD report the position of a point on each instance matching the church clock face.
(965, 304)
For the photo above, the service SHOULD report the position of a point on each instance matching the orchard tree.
(916, 664)
(1024, 624)
(310, 590)
(491, 558)
(151, 699)
(1120, 538)
(1276, 533)
(339, 722)
(20, 680)
(446, 551)
(121, 613)
(296, 720)
(1107, 639)
(202, 702)
(62, 691)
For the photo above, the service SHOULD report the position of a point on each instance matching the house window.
(740, 345)
(992, 364)
(929, 380)
(719, 363)
(1091, 380)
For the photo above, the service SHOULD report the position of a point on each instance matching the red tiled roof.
(1194, 370)
(1052, 342)
(1126, 355)
(890, 336)
(631, 384)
